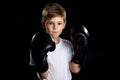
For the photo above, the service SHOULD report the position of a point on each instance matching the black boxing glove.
(41, 44)
(79, 39)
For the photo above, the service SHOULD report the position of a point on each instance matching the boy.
(58, 60)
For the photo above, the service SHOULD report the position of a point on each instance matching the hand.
(79, 39)
(40, 46)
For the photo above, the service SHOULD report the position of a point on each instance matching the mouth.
(54, 32)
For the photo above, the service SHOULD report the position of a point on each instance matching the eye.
(59, 23)
(50, 23)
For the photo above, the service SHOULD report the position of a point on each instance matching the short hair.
(53, 10)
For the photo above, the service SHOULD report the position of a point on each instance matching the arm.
(75, 68)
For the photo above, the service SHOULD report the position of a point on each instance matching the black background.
(99, 17)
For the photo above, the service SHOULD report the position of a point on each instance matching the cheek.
(49, 30)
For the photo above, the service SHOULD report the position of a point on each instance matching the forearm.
(44, 75)
(75, 68)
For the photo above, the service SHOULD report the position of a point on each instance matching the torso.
(58, 61)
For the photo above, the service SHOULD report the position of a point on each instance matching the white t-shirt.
(58, 61)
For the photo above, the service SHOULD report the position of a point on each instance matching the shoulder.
(66, 42)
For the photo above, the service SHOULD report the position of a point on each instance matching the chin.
(55, 36)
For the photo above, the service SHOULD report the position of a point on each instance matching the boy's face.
(55, 26)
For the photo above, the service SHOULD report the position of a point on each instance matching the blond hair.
(53, 10)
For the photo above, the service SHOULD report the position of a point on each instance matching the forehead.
(56, 19)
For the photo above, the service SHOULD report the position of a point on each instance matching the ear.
(43, 24)
(64, 24)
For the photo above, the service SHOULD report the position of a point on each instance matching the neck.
(56, 40)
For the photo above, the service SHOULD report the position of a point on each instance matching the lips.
(55, 32)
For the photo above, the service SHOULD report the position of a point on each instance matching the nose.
(55, 26)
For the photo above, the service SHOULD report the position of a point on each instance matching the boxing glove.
(41, 44)
(79, 39)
